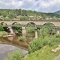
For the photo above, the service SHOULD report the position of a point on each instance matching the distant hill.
(19, 14)
(58, 12)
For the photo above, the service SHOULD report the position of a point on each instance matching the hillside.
(18, 14)
(58, 12)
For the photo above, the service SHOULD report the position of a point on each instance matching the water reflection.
(13, 41)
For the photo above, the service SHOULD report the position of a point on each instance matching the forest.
(19, 14)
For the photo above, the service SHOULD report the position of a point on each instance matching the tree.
(44, 32)
(11, 15)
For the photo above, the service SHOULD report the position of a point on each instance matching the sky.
(35, 5)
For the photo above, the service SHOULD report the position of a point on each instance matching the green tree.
(44, 32)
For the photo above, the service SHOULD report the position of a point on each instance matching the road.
(6, 49)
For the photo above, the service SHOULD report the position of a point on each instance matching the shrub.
(16, 55)
(47, 30)
(3, 33)
(17, 28)
(54, 41)
(1, 28)
(24, 17)
(22, 39)
(57, 36)
(30, 31)
(35, 45)
(39, 43)
(44, 53)
(44, 32)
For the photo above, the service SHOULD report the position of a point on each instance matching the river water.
(6, 49)
(57, 58)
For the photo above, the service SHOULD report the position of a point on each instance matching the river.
(5, 49)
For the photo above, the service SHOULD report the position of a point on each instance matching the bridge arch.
(48, 24)
(30, 30)
(16, 23)
(5, 26)
(17, 28)
(3, 23)
(31, 24)
(50, 27)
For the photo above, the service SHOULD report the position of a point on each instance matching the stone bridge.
(37, 22)
(42, 22)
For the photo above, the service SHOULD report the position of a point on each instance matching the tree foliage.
(17, 28)
(10, 14)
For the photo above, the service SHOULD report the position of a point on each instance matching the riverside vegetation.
(41, 48)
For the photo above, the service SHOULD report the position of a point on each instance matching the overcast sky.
(38, 5)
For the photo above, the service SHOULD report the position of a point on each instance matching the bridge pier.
(58, 32)
(23, 32)
(11, 30)
(36, 33)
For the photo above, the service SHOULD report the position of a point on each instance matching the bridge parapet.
(37, 22)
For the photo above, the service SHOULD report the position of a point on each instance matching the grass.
(44, 53)
(2, 33)
(15, 55)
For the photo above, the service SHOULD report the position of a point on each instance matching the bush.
(22, 39)
(54, 41)
(30, 31)
(57, 36)
(35, 45)
(47, 30)
(17, 28)
(39, 43)
(16, 55)
(44, 32)
(24, 18)
(3, 33)
(44, 53)
(1, 28)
